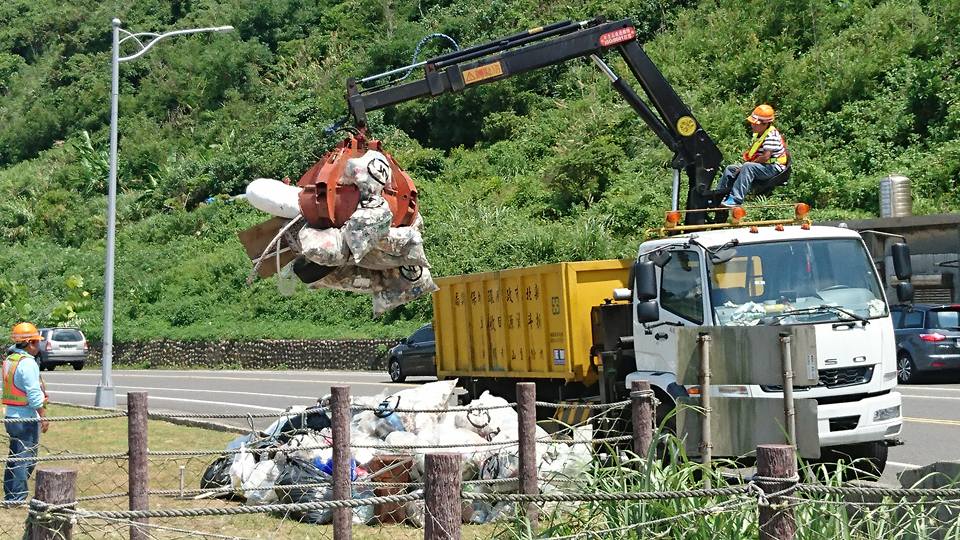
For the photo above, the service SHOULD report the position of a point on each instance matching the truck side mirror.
(645, 280)
(648, 311)
(905, 292)
(901, 261)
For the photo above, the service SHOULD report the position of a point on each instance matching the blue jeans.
(24, 441)
(742, 176)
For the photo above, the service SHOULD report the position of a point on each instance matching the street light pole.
(106, 396)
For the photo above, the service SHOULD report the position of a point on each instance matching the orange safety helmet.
(763, 114)
(24, 333)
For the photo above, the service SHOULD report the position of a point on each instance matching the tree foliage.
(543, 167)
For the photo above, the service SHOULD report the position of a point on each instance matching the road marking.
(384, 384)
(929, 397)
(936, 388)
(229, 404)
(205, 390)
(903, 465)
(939, 421)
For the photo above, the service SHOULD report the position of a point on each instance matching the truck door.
(682, 303)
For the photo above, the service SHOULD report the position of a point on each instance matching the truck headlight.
(886, 414)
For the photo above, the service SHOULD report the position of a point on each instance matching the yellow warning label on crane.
(479, 73)
(686, 125)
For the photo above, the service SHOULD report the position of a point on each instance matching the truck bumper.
(875, 418)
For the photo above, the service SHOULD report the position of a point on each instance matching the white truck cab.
(781, 275)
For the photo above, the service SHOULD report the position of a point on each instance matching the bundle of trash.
(292, 460)
(351, 223)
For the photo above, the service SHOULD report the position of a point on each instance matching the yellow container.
(523, 323)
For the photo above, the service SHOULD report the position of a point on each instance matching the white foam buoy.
(274, 197)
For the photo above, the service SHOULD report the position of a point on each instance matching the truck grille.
(832, 378)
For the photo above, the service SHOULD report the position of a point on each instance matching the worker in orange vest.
(24, 397)
(766, 157)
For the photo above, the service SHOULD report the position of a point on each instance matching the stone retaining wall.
(350, 354)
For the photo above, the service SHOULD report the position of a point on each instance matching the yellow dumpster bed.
(523, 323)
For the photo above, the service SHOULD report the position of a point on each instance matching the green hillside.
(544, 167)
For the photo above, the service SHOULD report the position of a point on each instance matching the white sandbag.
(379, 260)
(371, 173)
(400, 240)
(368, 225)
(426, 397)
(348, 278)
(401, 285)
(258, 486)
(274, 197)
(241, 468)
(363, 456)
(308, 446)
(487, 422)
(325, 247)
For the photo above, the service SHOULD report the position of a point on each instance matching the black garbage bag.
(300, 423)
(298, 472)
(217, 474)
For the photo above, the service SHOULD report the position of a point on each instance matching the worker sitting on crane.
(766, 158)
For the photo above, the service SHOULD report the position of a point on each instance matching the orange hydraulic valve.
(324, 202)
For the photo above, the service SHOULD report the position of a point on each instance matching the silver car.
(61, 346)
(928, 339)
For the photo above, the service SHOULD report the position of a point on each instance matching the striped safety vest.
(12, 394)
(758, 140)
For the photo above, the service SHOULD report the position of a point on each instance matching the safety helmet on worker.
(762, 114)
(24, 333)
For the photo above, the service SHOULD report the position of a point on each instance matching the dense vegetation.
(545, 167)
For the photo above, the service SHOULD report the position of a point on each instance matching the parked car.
(928, 339)
(62, 346)
(415, 355)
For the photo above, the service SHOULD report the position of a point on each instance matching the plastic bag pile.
(269, 463)
(366, 254)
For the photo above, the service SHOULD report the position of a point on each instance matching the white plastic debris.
(241, 468)
(258, 486)
(368, 225)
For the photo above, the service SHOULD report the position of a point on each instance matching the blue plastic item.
(326, 466)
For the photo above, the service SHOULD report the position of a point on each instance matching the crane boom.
(669, 117)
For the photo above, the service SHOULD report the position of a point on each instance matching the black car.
(60, 346)
(928, 339)
(415, 355)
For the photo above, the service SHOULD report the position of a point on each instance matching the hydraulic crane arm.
(669, 118)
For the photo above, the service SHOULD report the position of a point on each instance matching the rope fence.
(576, 480)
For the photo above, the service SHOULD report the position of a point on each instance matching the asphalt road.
(931, 430)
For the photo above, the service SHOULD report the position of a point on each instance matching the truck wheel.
(77, 365)
(396, 372)
(906, 369)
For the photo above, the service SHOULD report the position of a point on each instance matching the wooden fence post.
(776, 461)
(642, 398)
(137, 472)
(54, 486)
(527, 416)
(340, 420)
(441, 493)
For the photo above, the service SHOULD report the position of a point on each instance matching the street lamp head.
(223, 29)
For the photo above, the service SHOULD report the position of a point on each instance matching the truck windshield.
(796, 282)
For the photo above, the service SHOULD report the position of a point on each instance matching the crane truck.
(588, 329)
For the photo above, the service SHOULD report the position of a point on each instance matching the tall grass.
(668, 468)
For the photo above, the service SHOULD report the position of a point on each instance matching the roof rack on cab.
(737, 219)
